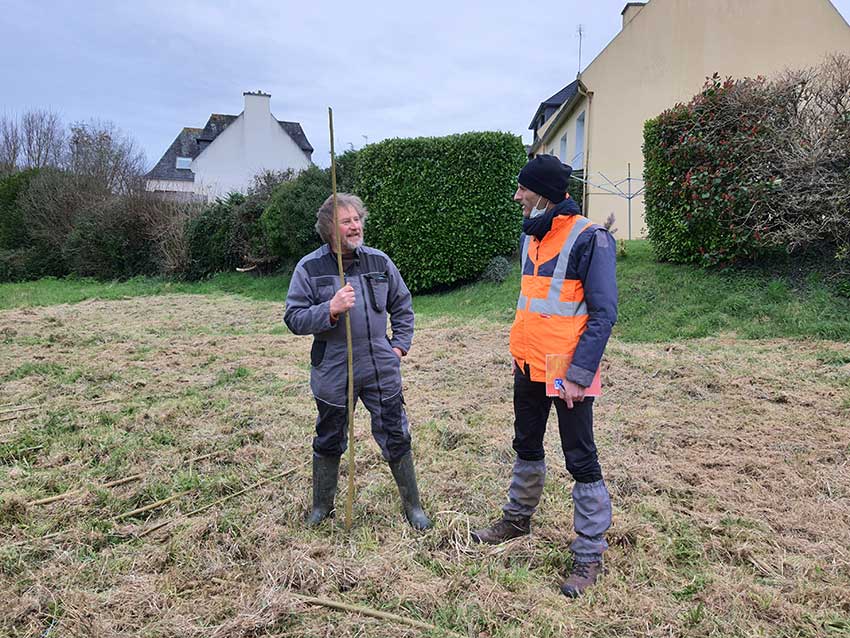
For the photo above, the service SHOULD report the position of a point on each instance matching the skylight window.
(184, 162)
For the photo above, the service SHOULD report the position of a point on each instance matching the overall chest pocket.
(377, 288)
(326, 288)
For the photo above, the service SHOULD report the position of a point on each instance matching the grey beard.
(353, 245)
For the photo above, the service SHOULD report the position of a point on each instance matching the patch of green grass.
(513, 578)
(35, 368)
(833, 357)
(661, 302)
(685, 546)
(433, 565)
(51, 291)
(696, 585)
(658, 301)
(493, 301)
(163, 437)
(694, 616)
(233, 376)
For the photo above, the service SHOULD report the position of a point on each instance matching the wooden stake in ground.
(349, 502)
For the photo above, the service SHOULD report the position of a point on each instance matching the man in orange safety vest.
(566, 309)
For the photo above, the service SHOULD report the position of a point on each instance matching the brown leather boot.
(582, 576)
(502, 531)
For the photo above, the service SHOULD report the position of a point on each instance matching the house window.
(563, 154)
(184, 162)
(578, 157)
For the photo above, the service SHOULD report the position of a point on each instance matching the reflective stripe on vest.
(552, 304)
(523, 300)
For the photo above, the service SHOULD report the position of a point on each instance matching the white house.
(225, 155)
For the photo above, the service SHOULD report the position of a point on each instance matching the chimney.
(257, 106)
(630, 11)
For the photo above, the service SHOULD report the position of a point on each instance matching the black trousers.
(531, 411)
(390, 427)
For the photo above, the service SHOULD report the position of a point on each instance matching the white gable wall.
(253, 142)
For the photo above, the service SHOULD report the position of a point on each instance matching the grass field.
(658, 302)
(727, 460)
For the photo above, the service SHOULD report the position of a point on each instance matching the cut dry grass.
(727, 461)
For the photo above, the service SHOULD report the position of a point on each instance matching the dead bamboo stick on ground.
(19, 408)
(152, 506)
(59, 497)
(168, 500)
(119, 517)
(374, 613)
(115, 483)
(221, 500)
(26, 541)
(8, 415)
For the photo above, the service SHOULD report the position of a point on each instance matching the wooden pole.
(349, 502)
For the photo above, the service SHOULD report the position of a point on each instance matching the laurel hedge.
(442, 207)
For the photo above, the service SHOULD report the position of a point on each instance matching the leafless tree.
(809, 144)
(42, 139)
(98, 150)
(168, 220)
(10, 145)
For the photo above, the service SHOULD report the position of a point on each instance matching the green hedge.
(576, 188)
(215, 237)
(290, 216)
(12, 227)
(112, 240)
(698, 184)
(289, 219)
(442, 207)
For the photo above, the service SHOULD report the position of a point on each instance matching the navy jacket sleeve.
(597, 269)
(400, 307)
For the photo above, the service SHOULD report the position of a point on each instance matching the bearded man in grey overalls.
(314, 305)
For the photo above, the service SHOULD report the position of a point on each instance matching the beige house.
(661, 56)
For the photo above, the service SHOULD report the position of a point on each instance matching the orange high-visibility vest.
(551, 313)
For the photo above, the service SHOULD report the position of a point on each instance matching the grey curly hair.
(325, 214)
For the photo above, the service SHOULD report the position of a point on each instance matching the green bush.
(697, 183)
(13, 232)
(50, 207)
(442, 207)
(113, 239)
(497, 271)
(290, 217)
(751, 167)
(215, 238)
(346, 171)
(12, 265)
(576, 188)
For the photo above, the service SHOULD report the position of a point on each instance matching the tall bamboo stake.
(349, 503)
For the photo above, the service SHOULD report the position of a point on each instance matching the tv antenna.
(580, 32)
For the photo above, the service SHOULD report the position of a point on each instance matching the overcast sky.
(388, 69)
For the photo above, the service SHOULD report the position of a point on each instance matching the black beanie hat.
(546, 175)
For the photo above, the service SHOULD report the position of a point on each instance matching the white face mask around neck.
(537, 212)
